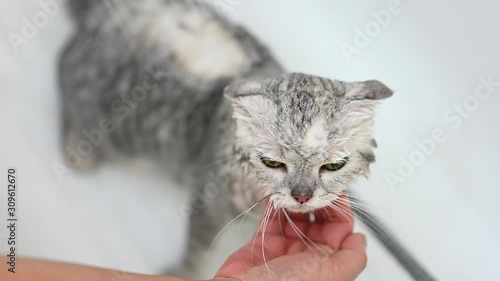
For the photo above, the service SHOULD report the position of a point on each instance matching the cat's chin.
(303, 208)
(314, 204)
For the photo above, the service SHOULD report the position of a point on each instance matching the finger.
(272, 220)
(236, 264)
(269, 238)
(355, 241)
(276, 221)
(291, 225)
(351, 259)
(345, 264)
(251, 255)
(332, 224)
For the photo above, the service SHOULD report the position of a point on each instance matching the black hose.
(402, 255)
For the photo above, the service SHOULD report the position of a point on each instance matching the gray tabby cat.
(175, 81)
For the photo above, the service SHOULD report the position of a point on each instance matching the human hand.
(332, 251)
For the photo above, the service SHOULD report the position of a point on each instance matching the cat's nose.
(302, 198)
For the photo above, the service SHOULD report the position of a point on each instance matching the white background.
(431, 53)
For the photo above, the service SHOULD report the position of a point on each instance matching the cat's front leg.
(211, 209)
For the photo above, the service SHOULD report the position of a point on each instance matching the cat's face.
(306, 138)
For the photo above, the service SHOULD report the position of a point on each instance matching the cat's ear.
(248, 101)
(242, 88)
(363, 97)
(371, 90)
(254, 114)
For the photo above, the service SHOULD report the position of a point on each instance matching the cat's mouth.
(302, 209)
(300, 205)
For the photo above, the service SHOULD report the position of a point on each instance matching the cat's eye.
(272, 164)
(334, 166)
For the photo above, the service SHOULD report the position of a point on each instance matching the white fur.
(203, 47)
(316, 136)
(320, 199)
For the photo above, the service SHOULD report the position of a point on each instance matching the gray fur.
(275, 116)
(165, 100)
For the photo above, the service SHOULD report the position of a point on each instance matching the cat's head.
(306, 138)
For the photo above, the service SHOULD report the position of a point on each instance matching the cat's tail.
(400, 253)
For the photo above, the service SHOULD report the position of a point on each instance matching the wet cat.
(175, 81)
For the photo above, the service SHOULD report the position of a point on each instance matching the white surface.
(432, 53)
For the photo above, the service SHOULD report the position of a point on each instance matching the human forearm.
(38, 270)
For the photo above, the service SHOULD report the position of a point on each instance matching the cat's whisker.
(361, 199)
(301, 235)
(325, 213)
(268, 209)
(281, 227)
(267, 196)
(373, 221)
(297, 231)
(241, 222)
(356, 203)
(341, 212)
(359, 206)
(266, 221)
(365, 210)
(349, 194)
(233, 220)
(232, 157)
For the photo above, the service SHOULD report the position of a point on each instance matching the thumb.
(351, 258)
